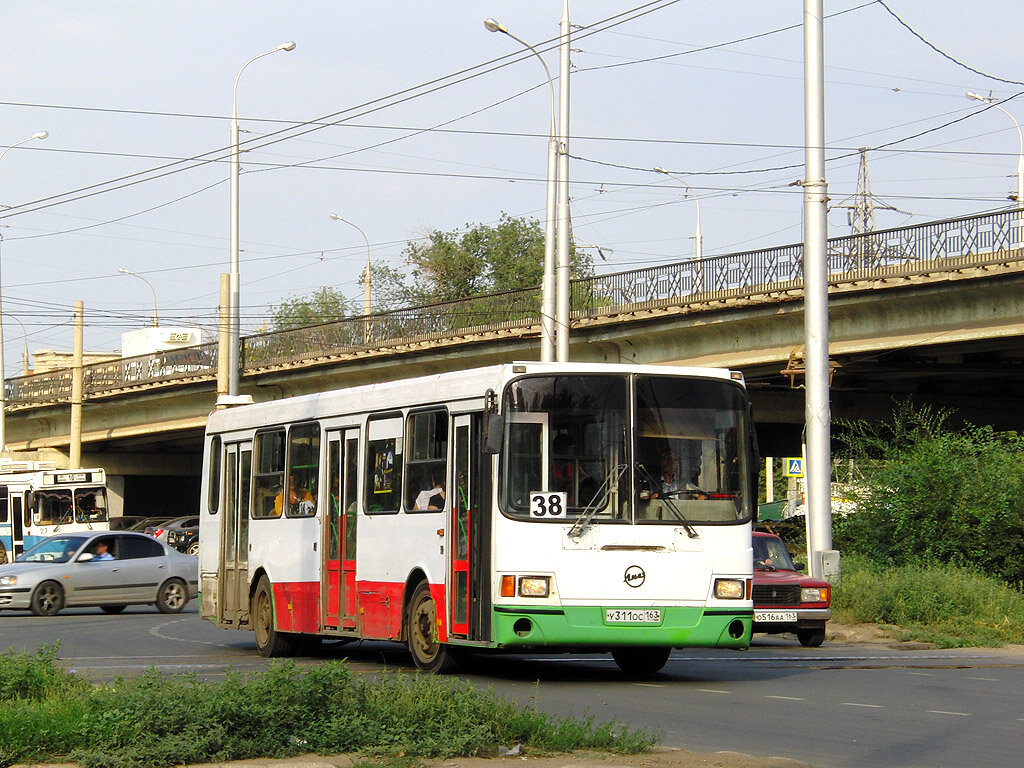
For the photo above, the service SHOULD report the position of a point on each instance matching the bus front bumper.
(586, 626)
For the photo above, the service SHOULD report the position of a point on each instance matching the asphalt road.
(839, 705)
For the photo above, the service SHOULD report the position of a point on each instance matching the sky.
(408, 117)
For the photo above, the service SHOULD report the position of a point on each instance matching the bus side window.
(303, 469)
(426, 460)
(268, 479)
(383, 464)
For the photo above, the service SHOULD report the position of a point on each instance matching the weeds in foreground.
(156, 720)
(942, 604)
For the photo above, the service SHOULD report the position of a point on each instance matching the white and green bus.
(517, 507)
(38, 500)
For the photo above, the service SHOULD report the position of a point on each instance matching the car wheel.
(811, 638)
(48, 599)
(641, 662)
(193, 549)
(112, 608)
(172, 596)
(428, 654)
(269, 642)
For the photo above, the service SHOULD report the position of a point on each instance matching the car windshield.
(56, 549)
(770, 555)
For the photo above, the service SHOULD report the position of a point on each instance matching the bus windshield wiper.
(668, 502)
(599, 502)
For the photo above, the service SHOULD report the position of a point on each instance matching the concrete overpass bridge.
(934, 311)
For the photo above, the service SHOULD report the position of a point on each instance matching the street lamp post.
(3, 384)
(233, 308)
(124, 271)
(24, 351)
(1020, 137)
(547, 304)
(366, 278)
(697, 236)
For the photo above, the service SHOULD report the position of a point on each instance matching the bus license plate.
(768, 617)
(632, 616)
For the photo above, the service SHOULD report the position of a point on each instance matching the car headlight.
(814, 594)
(8, 581)
(729, 589)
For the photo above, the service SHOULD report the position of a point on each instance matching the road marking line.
(649, 685)
(786, 698)
(855, 704)
(985, 679)
(941, 712)
(715, 690)
(920, 674)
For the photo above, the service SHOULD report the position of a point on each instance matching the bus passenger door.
(468, 582)
(234, 535)
(338, 588)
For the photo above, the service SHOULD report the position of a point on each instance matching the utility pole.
(817, 411)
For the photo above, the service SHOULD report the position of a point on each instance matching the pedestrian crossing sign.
(795, 467)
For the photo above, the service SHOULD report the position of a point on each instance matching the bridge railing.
(952, 244)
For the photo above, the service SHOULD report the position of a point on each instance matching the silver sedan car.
(109, 569)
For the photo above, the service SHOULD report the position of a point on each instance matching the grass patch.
(156, 720)
(949, 606)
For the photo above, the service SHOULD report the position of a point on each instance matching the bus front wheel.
(428, 654)
(269, 642)
(640, 662)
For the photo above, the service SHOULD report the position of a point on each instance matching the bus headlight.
(8, 581)
(729, 589)
(534, 586)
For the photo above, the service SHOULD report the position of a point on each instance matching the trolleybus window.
(426, 461)
(303, 469)
(268, 479)
(213, 481)
(383, 464)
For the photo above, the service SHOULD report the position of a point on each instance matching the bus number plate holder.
(632, 616)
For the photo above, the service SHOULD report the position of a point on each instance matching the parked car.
(134, 522)
(159, 530)
(109, 569)
(185, 539)
(786, 600)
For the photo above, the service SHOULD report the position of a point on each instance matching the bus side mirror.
(494, 429)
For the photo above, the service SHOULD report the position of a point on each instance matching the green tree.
(483, 259)
(325, 305)
(938, 494)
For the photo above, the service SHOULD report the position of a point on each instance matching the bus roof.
(468, 386)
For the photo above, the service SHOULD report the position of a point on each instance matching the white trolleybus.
(529, 507)
(38, 500)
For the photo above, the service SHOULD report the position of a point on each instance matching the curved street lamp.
(366, 277)
(3, 384)
(991, 101)
(233, 309)
(547, 303)
(124, 271)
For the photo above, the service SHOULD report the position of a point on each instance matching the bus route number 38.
(544, 504)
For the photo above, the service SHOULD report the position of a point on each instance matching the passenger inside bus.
(300, 500)
(432, 497)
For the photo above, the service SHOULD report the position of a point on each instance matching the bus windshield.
(626, 448)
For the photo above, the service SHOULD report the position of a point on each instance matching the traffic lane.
(955, 709)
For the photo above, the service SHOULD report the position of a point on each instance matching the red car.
(784, 599)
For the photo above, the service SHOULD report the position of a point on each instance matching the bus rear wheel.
(3, 553)
(269, 642)
(428, 654)
(641, 662)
